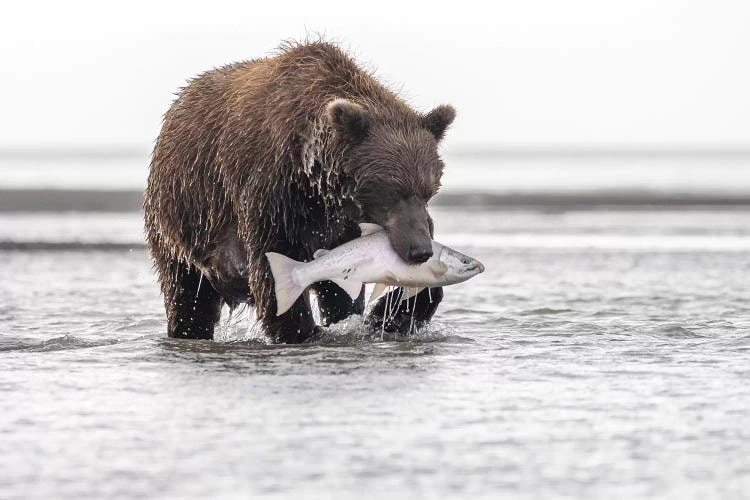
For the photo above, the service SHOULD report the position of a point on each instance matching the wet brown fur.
(250, 153)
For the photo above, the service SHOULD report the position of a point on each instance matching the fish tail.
(287, 290)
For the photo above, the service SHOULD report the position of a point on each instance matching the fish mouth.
(475, 267)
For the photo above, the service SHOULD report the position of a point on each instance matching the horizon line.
(460, 151)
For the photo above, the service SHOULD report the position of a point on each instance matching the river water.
(602, 354)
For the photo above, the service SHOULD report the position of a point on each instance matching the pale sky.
(520, 73)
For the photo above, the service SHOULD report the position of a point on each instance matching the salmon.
(368, 259)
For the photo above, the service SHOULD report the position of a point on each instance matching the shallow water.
(602, 354)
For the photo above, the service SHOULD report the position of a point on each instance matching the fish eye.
(464, 260)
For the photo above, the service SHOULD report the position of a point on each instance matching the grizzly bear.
(287, 154)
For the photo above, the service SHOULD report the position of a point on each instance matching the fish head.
(460, 267)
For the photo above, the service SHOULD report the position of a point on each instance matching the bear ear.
(348, 119)
(437, 120)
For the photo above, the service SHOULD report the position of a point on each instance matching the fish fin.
(368, 228)
(377, 292)
(411, 291)
(319, 253)
(287, 291)
(353, 288)
(438, 268)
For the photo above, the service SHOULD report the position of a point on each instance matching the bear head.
(391, 156)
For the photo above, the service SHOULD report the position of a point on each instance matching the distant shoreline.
(68, 246)
(79, 200)
(475, 151)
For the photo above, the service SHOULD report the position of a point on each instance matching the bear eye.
(427, 194)
(429, 191)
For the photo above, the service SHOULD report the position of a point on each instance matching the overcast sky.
(521, 73)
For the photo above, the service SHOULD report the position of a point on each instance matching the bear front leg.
(409, 314)
(295, 326)
(193, 306)
(335, 304)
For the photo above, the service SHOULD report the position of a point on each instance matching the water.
(602, 354)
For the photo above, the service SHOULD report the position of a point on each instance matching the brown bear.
(286, 154)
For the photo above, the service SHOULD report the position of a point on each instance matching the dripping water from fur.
(200, 282)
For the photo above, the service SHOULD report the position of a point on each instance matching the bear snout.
(408, 228)
(420, 254)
